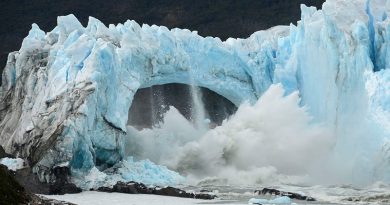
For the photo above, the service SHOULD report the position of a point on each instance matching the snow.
(12, 164)
(78, 84)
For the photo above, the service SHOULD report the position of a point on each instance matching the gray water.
(378, 194)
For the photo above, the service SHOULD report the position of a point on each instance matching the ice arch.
(66, 93)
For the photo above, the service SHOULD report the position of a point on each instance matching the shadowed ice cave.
(150, 104)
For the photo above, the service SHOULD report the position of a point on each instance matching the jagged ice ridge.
(66, 93)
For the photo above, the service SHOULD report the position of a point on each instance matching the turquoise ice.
(66, 93)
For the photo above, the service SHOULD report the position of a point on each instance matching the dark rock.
(128, 188)
(139, 188)
(4, 154)
(104, 189)
(11, 192)
(60, 184)
(67, 188)
(171, 191)
(205, 196)
(30, 181)
(45, 201)
(291, 195)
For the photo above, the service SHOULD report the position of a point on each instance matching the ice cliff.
(66, 93)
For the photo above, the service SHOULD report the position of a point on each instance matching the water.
(325, 195)
(229, 195)
(198, 112)
(273, 143)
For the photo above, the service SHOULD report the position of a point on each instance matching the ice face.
(334, 53)
(66, 94)
(79, 84)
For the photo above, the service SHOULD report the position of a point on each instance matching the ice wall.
(333, 55)
(66, 93)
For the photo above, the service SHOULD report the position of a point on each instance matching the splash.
(267, 141)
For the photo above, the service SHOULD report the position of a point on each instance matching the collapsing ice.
(66, 93)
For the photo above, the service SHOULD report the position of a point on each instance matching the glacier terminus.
(65, 97)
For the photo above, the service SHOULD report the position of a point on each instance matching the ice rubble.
(127, 170)
(66, 93)
(12, 164)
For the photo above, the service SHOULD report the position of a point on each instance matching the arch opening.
(149, 105)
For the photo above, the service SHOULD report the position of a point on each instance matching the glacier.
(66, 93)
